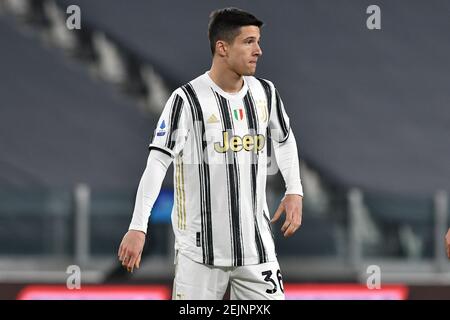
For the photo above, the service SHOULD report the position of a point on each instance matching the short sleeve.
(279, 121)
(173, 126)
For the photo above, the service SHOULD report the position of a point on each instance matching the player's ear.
(221, 48)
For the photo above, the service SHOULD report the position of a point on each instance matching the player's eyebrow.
(251, 38)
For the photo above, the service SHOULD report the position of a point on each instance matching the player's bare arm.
(292, 206)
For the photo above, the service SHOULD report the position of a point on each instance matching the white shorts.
(196, 281)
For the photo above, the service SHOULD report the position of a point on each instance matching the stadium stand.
(60, 126)
(366, 105)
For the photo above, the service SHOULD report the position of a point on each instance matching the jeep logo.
(236, 143)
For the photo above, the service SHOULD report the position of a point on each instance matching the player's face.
(244, 52)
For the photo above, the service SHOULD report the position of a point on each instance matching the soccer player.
(218, 129)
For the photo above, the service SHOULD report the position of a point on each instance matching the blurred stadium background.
(370, 109)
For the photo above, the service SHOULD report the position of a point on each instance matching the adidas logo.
(212, 119)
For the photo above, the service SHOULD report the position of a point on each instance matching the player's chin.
(250, 71)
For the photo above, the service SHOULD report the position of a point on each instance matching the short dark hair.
(224, 24)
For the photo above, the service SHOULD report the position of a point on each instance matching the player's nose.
(258, 51)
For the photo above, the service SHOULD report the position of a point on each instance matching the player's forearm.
(149, 188)
(287, 159)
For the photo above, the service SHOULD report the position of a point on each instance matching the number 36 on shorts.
(275, 281)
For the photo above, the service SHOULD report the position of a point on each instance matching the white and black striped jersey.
(219, 142)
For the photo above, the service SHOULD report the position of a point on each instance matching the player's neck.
(228, 80)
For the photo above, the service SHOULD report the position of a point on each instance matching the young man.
(217, 129)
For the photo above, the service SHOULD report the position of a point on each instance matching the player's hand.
(447, 243)
(292, 205)
(130, 250)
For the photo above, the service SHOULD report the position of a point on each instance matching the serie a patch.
(162, 128)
